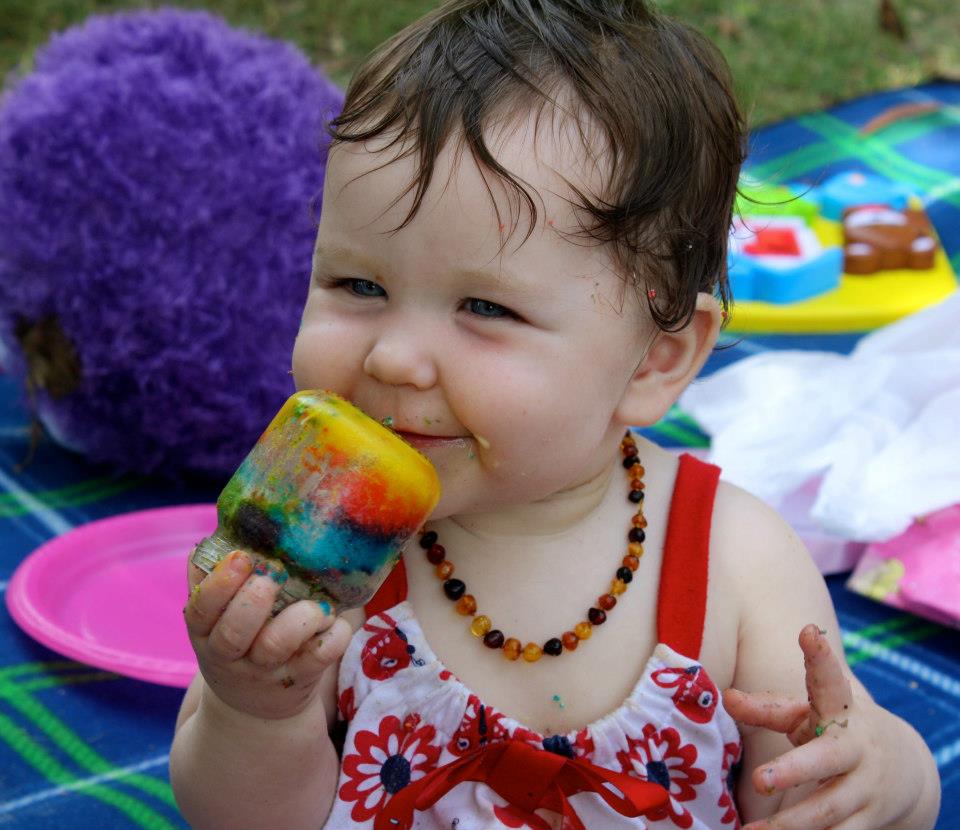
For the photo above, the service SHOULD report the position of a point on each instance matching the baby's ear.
(669, 365)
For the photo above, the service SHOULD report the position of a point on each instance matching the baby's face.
(503, 362)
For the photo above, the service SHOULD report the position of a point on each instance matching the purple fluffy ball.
(159, 179)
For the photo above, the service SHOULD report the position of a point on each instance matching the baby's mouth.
(422, 442)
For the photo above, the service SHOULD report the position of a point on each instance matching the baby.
(521, 255)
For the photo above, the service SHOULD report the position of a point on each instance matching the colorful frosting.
(332, 494)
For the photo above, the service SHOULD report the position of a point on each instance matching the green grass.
(788, 56)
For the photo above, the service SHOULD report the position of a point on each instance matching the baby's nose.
(401, 357)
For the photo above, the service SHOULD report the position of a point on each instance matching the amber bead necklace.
(482, 627)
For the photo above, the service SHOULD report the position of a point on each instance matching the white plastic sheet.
(881, 426)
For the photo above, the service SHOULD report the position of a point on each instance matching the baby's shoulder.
(749, 539)
(756, 559)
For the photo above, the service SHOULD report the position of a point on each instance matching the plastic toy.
(880, 238)
(781, 286)
(845, 190)
(779, 259)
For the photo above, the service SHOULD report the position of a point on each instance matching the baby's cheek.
(321, 357)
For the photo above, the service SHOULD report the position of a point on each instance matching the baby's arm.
(252, 746)
(874, 772)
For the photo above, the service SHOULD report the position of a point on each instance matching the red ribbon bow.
(528, 778)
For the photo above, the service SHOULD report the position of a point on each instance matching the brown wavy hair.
(658, 94)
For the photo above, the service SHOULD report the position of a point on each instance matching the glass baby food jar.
(326, 499)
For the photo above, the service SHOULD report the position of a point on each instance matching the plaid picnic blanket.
(82, 748)
(919, 151)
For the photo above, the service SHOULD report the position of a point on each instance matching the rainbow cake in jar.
(329, 494)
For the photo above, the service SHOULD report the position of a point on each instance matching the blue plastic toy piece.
(751, 279)
(845, 190)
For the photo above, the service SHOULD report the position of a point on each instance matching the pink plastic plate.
(111, 593)
(919, 570)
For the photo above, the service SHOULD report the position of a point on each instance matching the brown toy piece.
(881, 238)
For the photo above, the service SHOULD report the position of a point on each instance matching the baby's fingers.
(209, 596)
(286, 633)
(245, 615)
(780, 713)
(321, 650)
(827, 685)
(817, 760)
(831, 806)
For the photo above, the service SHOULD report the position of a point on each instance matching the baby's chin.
(496, 497)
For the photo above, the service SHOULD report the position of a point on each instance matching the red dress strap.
(682, 602)
(393, 590)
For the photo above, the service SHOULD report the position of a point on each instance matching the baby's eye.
(364, 288)
(484, 308)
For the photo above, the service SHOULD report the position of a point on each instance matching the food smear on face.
(483, 442)
(332, 494)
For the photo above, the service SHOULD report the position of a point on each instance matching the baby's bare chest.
(560, 694)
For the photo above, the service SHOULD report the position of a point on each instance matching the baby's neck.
(561, 513)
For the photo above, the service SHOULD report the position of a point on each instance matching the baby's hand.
(262, 666)
(844, 747)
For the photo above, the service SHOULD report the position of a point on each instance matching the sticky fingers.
(244, 616)
(827, 686)
(814, 761)
(828, 807)
(288, 632)
(322, 649)
(209, 596)
(769, 710)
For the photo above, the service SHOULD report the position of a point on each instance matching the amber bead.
(532, 652)
(570, 640)
(635, 549)
(596, 616)
(583, 630)
(480, 626)
(624, 574)
(428, 539)
(511, 648)
(493, 639)
(617, 587)
(436, 554)
(637, 535)
(606, 601)
(630, 461)
(630, 561)
(466, 605)
(454, 588)
(636, 496)
(639, 520)
(629, 449)
(553, 647)
(638, 471)
(444, 570)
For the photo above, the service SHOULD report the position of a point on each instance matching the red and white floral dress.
(415, 732)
